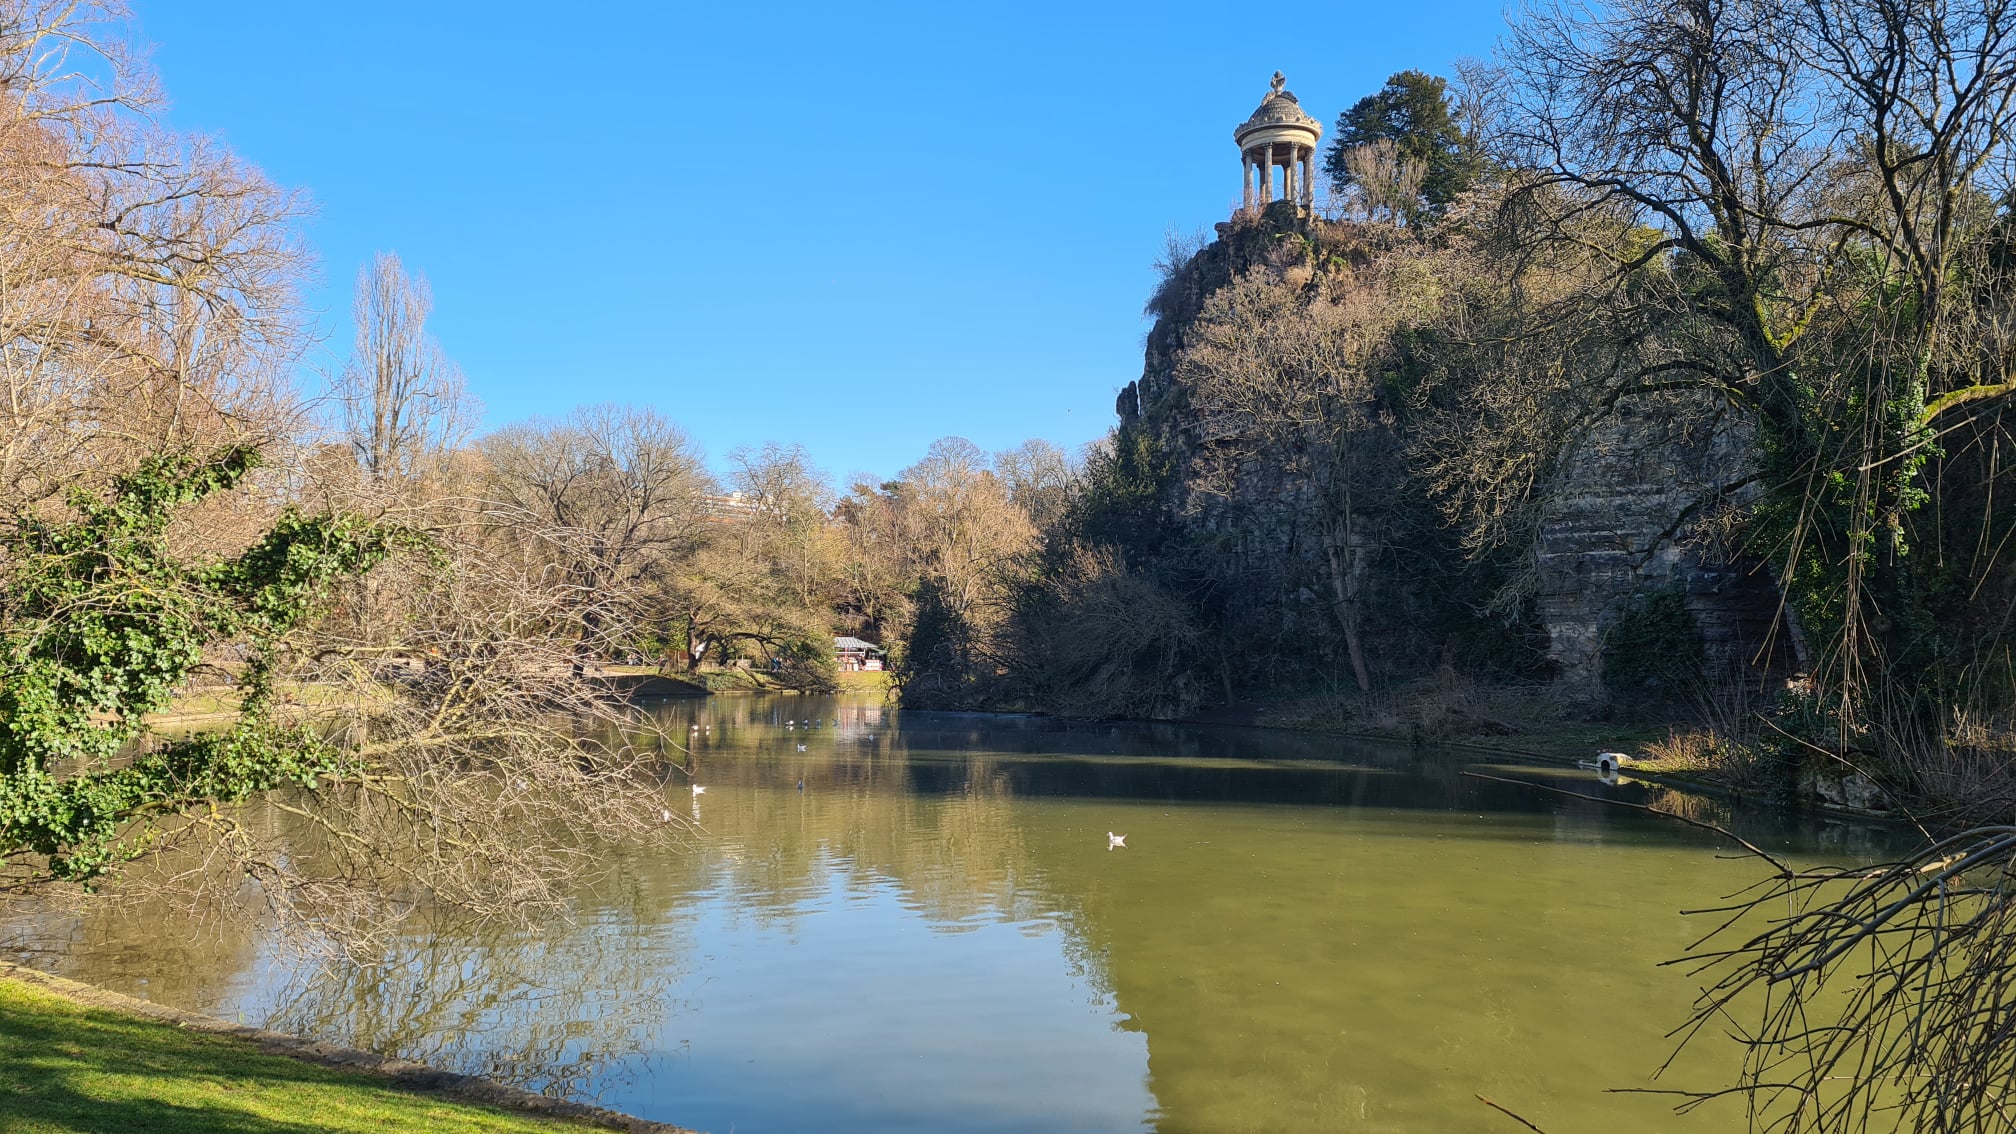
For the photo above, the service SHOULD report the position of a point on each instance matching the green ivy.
(99, 624)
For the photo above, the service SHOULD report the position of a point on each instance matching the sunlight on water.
(1301, 934)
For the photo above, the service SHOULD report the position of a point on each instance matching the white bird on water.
(698, 790)
(801, 748)
(664, 815)
(1113, 840)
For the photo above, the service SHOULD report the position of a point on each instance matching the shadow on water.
(1302, 933)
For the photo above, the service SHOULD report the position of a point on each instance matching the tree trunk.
(1344, 575)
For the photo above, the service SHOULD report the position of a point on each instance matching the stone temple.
(1279, 136)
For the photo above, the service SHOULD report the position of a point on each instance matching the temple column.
(1278, 140)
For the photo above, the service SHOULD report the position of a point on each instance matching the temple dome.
(1278, 110)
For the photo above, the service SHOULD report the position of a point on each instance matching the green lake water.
(1301, 934)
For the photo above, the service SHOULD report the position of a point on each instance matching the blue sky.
(856, 227)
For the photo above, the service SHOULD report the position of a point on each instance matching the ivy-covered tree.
(100, 622)
(1415, 113)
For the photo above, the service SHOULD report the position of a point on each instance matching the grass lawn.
(66, 1067)
(864, 681)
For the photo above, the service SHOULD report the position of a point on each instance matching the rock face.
(1627, 520)
(1633, 503)
(1841, 790)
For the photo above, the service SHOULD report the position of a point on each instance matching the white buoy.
(1113, 840)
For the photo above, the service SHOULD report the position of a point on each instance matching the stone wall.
(1627, 519)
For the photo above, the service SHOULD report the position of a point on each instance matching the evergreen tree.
(1415, 112)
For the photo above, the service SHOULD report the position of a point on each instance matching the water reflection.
(1302, 933)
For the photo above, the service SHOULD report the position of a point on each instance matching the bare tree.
(936, 554)
(1385, 184)
(768, 573)
(1041, 479)
(1098, 640)
(1281, 364)
(875, 567)
(148, 281)
(1802, 189)
(606, 499)
(960, 525)
(405, 404)
(1870, 998)
(492, 774)
(149, 306)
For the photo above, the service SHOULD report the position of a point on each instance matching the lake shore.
(1680, 753)
(71, 1052)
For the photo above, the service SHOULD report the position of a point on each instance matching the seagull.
(698, 790)
(801, 748)
(1113, 840)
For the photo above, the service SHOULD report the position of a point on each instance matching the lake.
(1301, 933)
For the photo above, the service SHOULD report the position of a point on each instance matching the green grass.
(863, 681)
(67, 1067)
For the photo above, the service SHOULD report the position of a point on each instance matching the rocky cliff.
(1632, 512)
